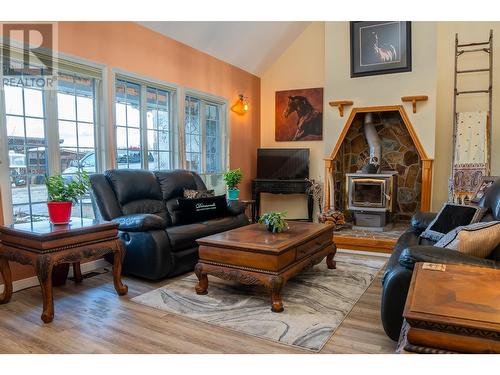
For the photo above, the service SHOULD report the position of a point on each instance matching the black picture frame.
(393, 45)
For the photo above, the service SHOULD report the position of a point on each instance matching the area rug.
(316, 302)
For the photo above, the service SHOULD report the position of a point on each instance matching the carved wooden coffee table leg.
(43, 268)
(7, 281)
(77, 272)
(330, 263)
(202, 286)
(119, 254)
(277, 302)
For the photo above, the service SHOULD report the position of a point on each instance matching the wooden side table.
(453, 308)
(44, 246)
(253, 209)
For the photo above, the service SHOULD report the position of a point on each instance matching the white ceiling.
(251, 46)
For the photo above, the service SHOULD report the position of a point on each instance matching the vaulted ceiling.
(251, 46)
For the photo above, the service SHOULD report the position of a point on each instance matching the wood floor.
(91, 318)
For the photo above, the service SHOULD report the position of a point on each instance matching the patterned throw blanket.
(471, 154)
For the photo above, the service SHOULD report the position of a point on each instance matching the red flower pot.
(59, 212)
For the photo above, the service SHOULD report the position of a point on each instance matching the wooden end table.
(253, 209)
(453, 308)
(44, 245)
(252, 255)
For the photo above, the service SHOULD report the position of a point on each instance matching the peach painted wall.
(133, 48)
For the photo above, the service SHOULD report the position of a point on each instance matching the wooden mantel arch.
(425, 200)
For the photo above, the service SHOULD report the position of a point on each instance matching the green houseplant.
(62, 194)
(275, 221)
(232, 178)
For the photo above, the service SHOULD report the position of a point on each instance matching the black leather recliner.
(408, 251)
(145, 205)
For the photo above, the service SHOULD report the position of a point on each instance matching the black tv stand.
(261, 185)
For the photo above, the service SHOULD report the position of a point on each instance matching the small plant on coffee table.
(275, 221)
(232, 178)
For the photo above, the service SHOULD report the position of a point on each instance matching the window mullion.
(203, 131)
(52, 132)
(143, 126)
(181, 139)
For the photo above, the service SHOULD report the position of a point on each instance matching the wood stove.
(372, 198)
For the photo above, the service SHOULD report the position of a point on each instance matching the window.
(205, 137)
(76, 121)
(142, 112)
(49, 131)
(27, 144)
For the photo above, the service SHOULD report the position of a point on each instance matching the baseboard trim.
(30, 282)
(361, 252)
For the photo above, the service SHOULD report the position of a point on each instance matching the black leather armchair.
(144, 204)
(410, 249)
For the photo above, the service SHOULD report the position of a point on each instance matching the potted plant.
(275, 221)
(232, 178)
(62, 194)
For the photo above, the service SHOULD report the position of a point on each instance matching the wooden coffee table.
(44, 246)
(252, 255)
(455, 308)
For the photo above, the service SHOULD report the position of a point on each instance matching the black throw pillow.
(450, 217)
(202, 209)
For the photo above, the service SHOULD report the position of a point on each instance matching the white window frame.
(69, 64)
(224, 124)
(145, 82)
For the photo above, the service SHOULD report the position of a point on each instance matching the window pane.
(13, 100)
(151, 96)
(66, 106)
(120, 112)
(134, 139)
(151, 119)
(35, 128)
(121, 137)
(193, 162)
(164, 161)
(85, 108)
(15, 127)
(67, 133)
(33, 103)
(76, 159)
(163, 120)
(152, 140)
(133, 116)
(164, 141)
(39, 212)
(86, 135)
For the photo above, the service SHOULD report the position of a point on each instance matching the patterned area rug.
(316, 302)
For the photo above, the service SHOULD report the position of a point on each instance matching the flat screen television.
(283, 163)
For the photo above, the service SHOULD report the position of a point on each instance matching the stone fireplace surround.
(401, 151)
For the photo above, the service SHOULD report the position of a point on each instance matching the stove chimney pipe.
(372, 138)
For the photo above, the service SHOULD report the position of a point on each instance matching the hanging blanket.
(471, 153)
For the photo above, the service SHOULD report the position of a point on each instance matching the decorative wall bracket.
(341, 104)
(414, 99)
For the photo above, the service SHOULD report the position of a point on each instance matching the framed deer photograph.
(380, 47)
(299, 115)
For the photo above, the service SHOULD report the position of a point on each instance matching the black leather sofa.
(145, 205)
(409, 250)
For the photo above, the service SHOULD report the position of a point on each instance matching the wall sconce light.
(241, 106)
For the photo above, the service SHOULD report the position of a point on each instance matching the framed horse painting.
(299, 115)
(380, 47)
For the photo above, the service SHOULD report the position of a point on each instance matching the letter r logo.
(37, 43)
